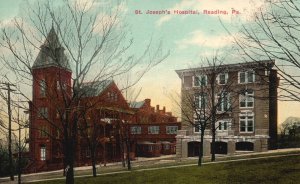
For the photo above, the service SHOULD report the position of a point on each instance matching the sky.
(188, 37)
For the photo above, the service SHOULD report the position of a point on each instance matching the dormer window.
(246, 77)
(200, 80)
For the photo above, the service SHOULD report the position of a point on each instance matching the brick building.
(153, 130)
(248, 106)
(106, 121)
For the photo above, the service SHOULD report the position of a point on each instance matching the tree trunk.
(213, 132)
(128, 155)
(201, 148)
(94, 163)
(70, 174)
(69, 156)
(213, 146)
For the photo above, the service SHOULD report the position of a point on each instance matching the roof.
(256, 64)
(137, 104)
(95, 88)
(51, 53)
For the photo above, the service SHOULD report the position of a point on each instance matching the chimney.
(164, 110)
(147, 102)
(157, 108)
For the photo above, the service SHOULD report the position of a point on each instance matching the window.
(246, 122)
(43, 112)
(171, 129)
(222, 78)
(197, 125)
(150, 148)
(246, 77)
(222, 125)
(200, 80)
(201, 100)
(247, 99)
(61, 85)
(57, 134)
(136, 129)
(43, 88)
(112, 96)
(224, 102)
(43, 152)
(166, 146)
(88, 152)
(44, 133)
(153, 129)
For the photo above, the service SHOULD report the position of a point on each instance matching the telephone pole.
(9, 90)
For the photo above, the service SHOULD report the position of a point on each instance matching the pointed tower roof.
(51, 53)
(52, 39)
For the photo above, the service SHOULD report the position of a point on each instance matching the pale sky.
(188, 37)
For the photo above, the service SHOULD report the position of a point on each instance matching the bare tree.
(272, 33)
(95, 46)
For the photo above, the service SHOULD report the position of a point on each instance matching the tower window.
(42, 88)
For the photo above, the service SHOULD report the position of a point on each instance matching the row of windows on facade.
(222, 79)
(153, 129)
(88, 151)
(44, 131)
(111, 96)
(246, 100)
(246, 122)
(43, 87)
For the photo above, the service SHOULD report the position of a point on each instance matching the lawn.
(272, 170)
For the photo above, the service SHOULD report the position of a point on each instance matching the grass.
(270, 170)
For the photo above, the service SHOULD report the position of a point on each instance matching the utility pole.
(9, 90)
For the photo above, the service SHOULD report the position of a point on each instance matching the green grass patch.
(270, 170)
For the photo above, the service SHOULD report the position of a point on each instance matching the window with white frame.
(201, 100)
(136, 130)
(171, 129)
(223, 102)
(222, 78)
(223, 125)
(247, 99)
(43, 88)
(200, 80)
(246, 122)
(153, 129)
(43, 152)
(246, 77)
